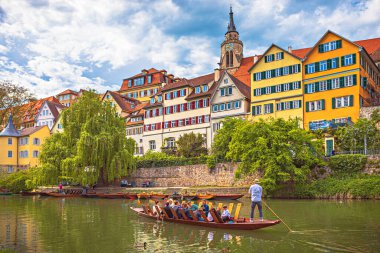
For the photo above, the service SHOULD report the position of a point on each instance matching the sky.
(48, 46)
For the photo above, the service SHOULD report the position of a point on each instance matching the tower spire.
(231, 26)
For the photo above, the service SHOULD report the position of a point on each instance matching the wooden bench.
(203, 215)
(216, 216)
(184, 216)
(174, 213)
(165, 214)
(193, 216)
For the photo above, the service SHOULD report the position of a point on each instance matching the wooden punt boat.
(158, 196)
(228, 196)
(43, 194)
(5, 193)
(118, 195)
(61, 195)
(131, 195)
(190, 196)
(176, 196)
(29, 193)
(90, 195)
(246, 225)
(143, 196)
(205, 196)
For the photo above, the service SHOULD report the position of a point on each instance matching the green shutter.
(339, 44)
(341, 82)
(263, 75)
(306, 85)
(299, 68)
(281, 71)
(351, 100)
(316, 67)
(306, 72)
(307, 106)
(320, 48)
(253, 110)
(282, 87)
(273, 73)
(265, 60)
(349, 119)
(323, 104)
(329, 84)
(354, 58)
(342, 61)
(364, 82)
(329, 64)
(337, 62)
(333, 103)
(291, 104)
(282, 55)
(271, 108)
(290, 86)
(263, 91)
(254, 77)
(273, 89)
(316, 84)
(300, 103)
(354, 81)
(255, 92)
(290, 70)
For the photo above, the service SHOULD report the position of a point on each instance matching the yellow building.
(276, 87)
(339, 78)
(21, 149)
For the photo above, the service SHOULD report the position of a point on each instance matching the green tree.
(223, 137)
(92, 147)
(278, 150)
(191, 145)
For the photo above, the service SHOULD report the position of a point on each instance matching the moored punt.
(29, 193)
(175, 196)
(118, 195)
(228, 196)
(189, 196)
(5, 193)
(205, 196)
(158, 196)
(143, 196)
(131, 195)
(244, 225)
(61, 195)
(90, 195)
(43, 194)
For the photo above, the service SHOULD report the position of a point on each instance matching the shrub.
(211, 162)
(18, 181)
(159, 159)
(347, 163)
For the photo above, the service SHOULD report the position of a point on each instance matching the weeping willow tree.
(92, 148)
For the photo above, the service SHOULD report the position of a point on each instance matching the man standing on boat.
(256, 191)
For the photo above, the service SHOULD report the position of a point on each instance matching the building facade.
(48, 114)
(67, 97)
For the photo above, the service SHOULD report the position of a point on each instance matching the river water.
(45, 224)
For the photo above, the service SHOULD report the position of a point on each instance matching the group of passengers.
(187, 207)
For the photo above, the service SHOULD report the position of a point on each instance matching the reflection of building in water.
(19, 233)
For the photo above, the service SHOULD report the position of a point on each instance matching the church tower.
(231, 53)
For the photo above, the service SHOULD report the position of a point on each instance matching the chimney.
(255, 59)
(216, 74)
(290, 49)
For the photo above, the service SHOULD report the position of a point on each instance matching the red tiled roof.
(54, 108)
(376, 55)
(301, 53)
(153, 105)
(157, 78)
(242, 73)
(370, 45)
(68, 91)
(244, 89)
(30, 110)
(130, 123)
(125, 107)
(205, 79)
(30, 130)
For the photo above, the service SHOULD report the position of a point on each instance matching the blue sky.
(48, 46)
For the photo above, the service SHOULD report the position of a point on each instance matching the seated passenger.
(171, 203)
(167, 209)
(209, 216)
(205, 207)
(176, 207)
(186, 210)
(154, 209)
(226, 214)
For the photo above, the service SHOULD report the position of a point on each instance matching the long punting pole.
(290, 230)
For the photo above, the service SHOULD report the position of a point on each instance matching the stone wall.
(188, 176)
(365, 112)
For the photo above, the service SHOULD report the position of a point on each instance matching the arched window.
(228, 59)
(231, 59)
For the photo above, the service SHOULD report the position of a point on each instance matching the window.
(296, 104)
(285, 71)
(193, 120)
(129, 83)
(152, 100)
(237, 104)
(257, 110)
(268, 90)
(182, 93)
(296, 85)
(278, 88)
(296, 68)
(153, 113)
(268, 108)
(24, 154)
(335, 83)
(204, 88)
(216, 126)
(277, 72)
(135, 94)
(311, 88)
(279, 56)
(172, 123)
(334, 63)
(189, 107)
(10, 154)
(257, 76)
(107, 96)
(152, 145)
(129, 95)
(182, 107)
(60, 126)
(226, 80)
(205, 102)
(166, 124)
(197, 90)
(148, 93)
(168, 97)
(200, 119)
(159, 98)
(174, 109)
(207, 118)
(149, 79)
(180, 122)
(310, 68)
(329, 46)
(35, 153)
(159, 111)
(186, 122)
(168, 110)
(258, 92)
(10, 141)
(222, 107)
(348, 60)
(36, 141)
(323, 66)
(269, 58)
(286, 86)
(268, 74)
(215, 108)
(348, 81)
(342, 102)
(228, 106)
(10, 169)
(229, 90)
(155, 90)
(316, 105)
(138, 81)
(222, 92)
(175, 94)
(196, 104)
(322, 85)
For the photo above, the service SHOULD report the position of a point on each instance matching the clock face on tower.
(229, 47)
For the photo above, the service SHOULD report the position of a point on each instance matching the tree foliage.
(11, 97)
(92, 147)
(191, 145)
(277, 149)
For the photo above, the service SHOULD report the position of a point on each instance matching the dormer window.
(152, 100)
(205, 88)
(226, 81)
(197, 90)
(149, 79)
(138, 81)
(159, 98)
(108, 96)
(129, 83)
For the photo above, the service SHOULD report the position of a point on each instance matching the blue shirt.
(206, 208)
(256, 191)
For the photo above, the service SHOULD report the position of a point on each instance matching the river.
(45, 224)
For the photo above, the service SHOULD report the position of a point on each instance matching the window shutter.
(254, 77)
(281, 71)
(166, 96)
(185, 107)
(201, 103)
(337, 62)
(255, 92)
(333, 103)
(300, 103)
(349, 119)
(329, 84)
(316, 85)
(273, 89)
(354, 81)
(282, 55)
(253, 110)
(306, 72)
(291, 104)
(185, 92)
(316, 66)
(341, 82)
(364, 82)
(320, 48)
(273, 72)
(351, 100)
(306, 85)
(354, 58)
(290, 86)
(323, 104)
(342, 61)
(299, 67)
(263, 91)
(282, 87)
(271, 108)
(263, 75)
(307, 106)
(178, 93)
(329, 64)
(193, 105)
(266, 57)
(339, 44)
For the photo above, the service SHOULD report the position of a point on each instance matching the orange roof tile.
(157, 78)
(242, 73)
(68, 91)
(370, 45)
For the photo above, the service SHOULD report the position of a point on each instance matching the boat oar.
(290, 230)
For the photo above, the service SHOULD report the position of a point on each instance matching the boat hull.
(228, 196)
(60, 195)
(29, 193)
(5, 193)
(234, 226)
(206, 197)
(111, 195)
(158, 196)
